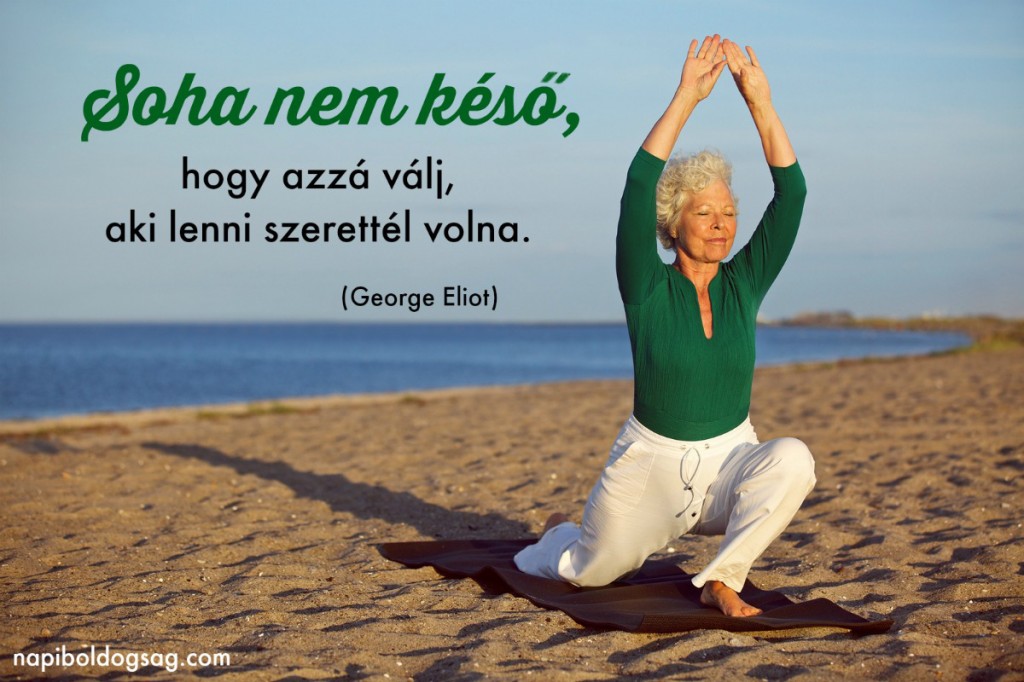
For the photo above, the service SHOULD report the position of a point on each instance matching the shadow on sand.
(363, 500)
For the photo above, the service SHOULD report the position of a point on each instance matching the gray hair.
(682, 177)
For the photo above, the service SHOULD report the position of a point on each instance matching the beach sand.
(252, 530)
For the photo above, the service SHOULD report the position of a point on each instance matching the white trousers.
(654, 489)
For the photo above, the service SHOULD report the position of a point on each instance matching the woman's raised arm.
(700, 73)
(753, 85)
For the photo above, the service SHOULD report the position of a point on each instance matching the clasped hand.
(703, 67)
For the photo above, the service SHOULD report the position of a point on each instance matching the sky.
(907, 119)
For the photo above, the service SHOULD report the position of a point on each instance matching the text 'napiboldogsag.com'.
(130, 661)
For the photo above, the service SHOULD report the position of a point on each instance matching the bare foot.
(726, 600)
(554, 520)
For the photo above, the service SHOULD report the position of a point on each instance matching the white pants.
(654, 489)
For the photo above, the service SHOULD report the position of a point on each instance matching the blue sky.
(907, 118)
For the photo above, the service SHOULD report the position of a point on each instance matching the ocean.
(56, 369)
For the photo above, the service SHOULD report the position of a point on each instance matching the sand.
(252, 531)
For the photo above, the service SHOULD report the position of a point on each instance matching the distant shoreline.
(987, 331)
(981, 328)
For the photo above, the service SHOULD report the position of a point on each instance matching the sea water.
(55, 369)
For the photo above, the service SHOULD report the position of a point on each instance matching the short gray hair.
(682, 177)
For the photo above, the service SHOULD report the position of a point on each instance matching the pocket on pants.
(623, 482)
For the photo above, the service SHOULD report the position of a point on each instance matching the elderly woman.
(687, 460)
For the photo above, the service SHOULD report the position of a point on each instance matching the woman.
(688, 460)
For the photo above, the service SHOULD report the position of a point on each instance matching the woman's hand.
(753, 85)
(702, 67)
(700, 73)
(749, 76)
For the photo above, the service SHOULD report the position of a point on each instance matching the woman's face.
(707, 224)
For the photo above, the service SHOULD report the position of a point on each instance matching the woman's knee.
(793, 455)
(601, 567)
(601, 573)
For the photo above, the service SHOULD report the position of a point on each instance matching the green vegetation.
(988, 332)
(253, 410)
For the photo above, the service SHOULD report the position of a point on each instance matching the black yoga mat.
(659, 598)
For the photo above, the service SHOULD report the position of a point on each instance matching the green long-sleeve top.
(686, 386)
